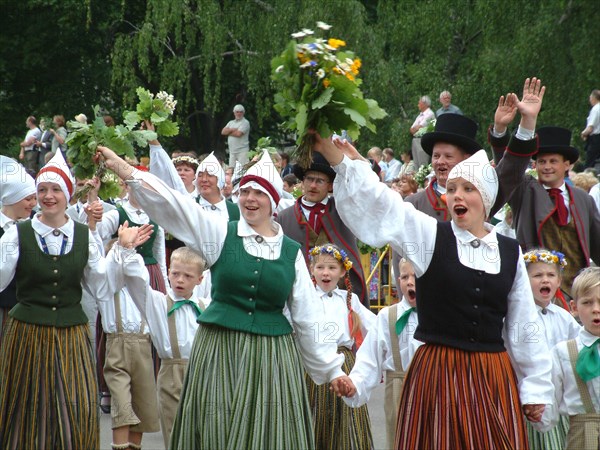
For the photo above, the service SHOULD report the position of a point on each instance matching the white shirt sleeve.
(360, 196)
(370, 359)
(162, 166)
(526, 343)
(320, 357)
(181, 215)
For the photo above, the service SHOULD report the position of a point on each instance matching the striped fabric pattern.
(454, 399)
(552, 440)
(3, 319)
(47, 388)
(243, 390)
(337, 426)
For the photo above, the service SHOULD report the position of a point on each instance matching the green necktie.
(588, 362)
(403, 320)
(180, 303)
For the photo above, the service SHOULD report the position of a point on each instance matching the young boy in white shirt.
(128, 366)
(389, 346)
(171, 318)
(576, 369)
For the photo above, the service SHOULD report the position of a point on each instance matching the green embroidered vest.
(249, 293)
(146, 249)
(49, 286)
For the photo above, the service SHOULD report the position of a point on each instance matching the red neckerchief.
(315, 217)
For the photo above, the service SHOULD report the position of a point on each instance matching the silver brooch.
(213, 207)
(544, 311)
(56, 232)
(259, 239)
(475, 243)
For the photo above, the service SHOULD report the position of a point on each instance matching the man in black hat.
(314, 220)
(549, 213)
(454, 141)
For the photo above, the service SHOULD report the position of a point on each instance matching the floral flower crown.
(545, 256)
(186, 159)
(330, 250)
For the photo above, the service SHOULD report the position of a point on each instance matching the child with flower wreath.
(545, 269)
(338, 426)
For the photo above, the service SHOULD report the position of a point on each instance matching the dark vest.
(296, 227)
(462, 307)
(249, 293)
(48, 286)
(8, 297)
(565, 240)
(145, 250)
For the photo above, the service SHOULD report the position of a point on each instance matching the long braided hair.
(343, 259)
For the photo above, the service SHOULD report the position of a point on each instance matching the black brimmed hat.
(319, 164)
(556, 140)
(454, 129)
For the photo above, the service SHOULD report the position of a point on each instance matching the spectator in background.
(59, 134)
(591, 133)
(393, 165)
(375, 154)
(407, 185)
(44, 143)
(584, 180)
(109, 121)
(237, 132)
(29, 152)
(81, 118)
(447, 106)
(285, 163)
(408, 165)
(425, 116)
(289, 182)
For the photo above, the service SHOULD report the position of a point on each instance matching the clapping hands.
(131, 237)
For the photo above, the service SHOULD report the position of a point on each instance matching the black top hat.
(556, 140)
(319, 164)
(453, 129)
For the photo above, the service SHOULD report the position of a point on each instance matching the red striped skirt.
(454, 399)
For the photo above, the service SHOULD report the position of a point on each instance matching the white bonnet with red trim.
(57, 171)
(264, 176)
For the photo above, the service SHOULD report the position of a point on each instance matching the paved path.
(154, 441)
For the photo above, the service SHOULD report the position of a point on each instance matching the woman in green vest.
(244, 385)
(47, 383)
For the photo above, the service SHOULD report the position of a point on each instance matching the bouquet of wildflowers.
(318, 87)
(157, 109)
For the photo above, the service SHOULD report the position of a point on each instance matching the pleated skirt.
(243, 391)
(47, 388)
(454, 399)
(554, 439)
(337, 426)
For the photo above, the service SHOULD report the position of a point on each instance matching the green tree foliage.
(54, 60)
(64, 57)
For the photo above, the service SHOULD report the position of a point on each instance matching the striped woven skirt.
(243, 390)
(337, 426)
(454, 399)
(554, 439)
(47, 388)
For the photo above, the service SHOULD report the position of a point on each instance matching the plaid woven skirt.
(243, 390)
(337, 426)
(47, 388)
(454, 400)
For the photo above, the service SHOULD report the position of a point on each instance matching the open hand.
(505, 112)
(533, 94)
(131, 237)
